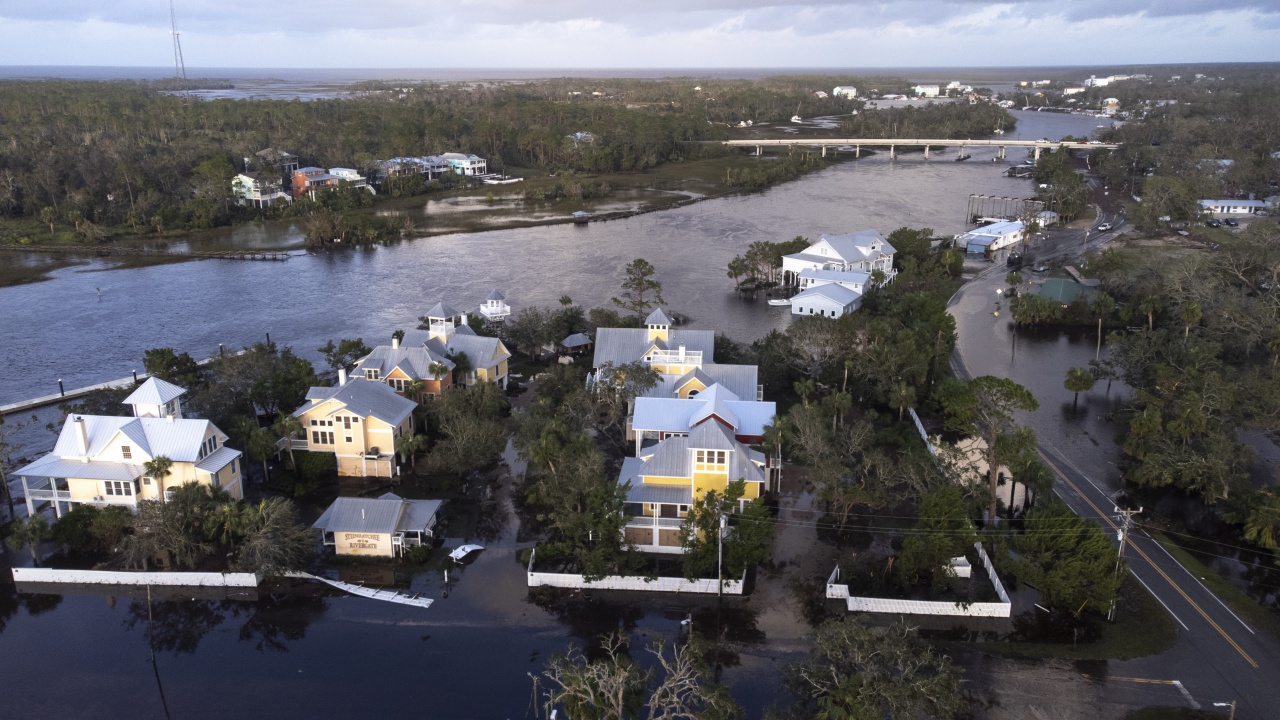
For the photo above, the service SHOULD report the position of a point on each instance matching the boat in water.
(796, 119)
(779, 301)
(963, 156)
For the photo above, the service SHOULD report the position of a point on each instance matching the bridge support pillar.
(824, 151)
(1037, 153)
(857, 151)
(892, 156)
(1000, 153)
(758, 150)
(926, 152)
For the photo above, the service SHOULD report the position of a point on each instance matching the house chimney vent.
(395, 342)
(342, 376)
(82, 438)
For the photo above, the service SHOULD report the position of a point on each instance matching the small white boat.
(796, 119)
(458, 554)
(779, 301)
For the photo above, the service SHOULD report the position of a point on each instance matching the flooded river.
(466, 656)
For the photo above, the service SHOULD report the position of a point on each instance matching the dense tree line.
(1201, 356)
(1197, 139)
(87, 157)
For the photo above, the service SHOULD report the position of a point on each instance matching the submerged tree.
(854, 671)
(640, 292)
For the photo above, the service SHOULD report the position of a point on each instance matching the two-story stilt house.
(358, 421)
(100, 460)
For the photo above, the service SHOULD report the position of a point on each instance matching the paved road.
(1218, 658)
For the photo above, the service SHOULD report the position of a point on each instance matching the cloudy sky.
(638, 33)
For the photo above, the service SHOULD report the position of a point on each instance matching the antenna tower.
(179, 65)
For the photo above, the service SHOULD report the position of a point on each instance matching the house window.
(346, 424)
(347, 439)
(118, 488)
(710, 459)
(213, 479)
(398, 384)
(146, 481)
(684, 508)
(372, 374)
(126, 452)
(321, 437)
(235, 466)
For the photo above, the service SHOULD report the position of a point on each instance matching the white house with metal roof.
(100, 460)
(990, 238)
(1233, 207)
(377, 527)
(358, 421)
(663, 483)
(830, 300)
(466, 163)
(864, 251)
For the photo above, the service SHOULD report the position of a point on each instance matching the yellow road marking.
(1155, 567)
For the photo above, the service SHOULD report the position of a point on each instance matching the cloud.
(653, 33)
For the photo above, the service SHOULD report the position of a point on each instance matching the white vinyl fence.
(633, 582)
(110, 577)
(835, 591)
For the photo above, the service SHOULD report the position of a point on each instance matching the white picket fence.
(836, 591)
(633, 582)
(112, 577)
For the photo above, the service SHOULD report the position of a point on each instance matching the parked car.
(1231, 222)
(1213, 223)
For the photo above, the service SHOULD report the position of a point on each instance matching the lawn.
(1249, 610)
(1141, 628)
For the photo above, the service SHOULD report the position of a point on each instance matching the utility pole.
(1126, 522)
(720, 557)
(1231, 705)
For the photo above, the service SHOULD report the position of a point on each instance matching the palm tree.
(159, 468)
(1148, 305)
(438, 370)
(28, 533)
(461, 366)
(227, 523)
(1078, 380)
(415, 388)
(1102, 306)
(286, 426)
(1191, 314)
(804, 388)
(1262, 525)
(409, 446)
(48, 216)
(840, 404)
(904, 396)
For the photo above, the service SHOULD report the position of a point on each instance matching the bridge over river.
(894, 143)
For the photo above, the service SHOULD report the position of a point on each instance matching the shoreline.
(143, 250)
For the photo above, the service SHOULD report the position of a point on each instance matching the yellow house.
(358, 421)
(377, 527)
(100, 460)
(448, 335)
(666, 479)
(400, 366)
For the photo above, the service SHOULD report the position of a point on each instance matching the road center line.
(1193, 577)
(1155, 567)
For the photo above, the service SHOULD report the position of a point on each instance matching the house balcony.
(675, 357)
(652, 521)
(495, 310)
(48, 495)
